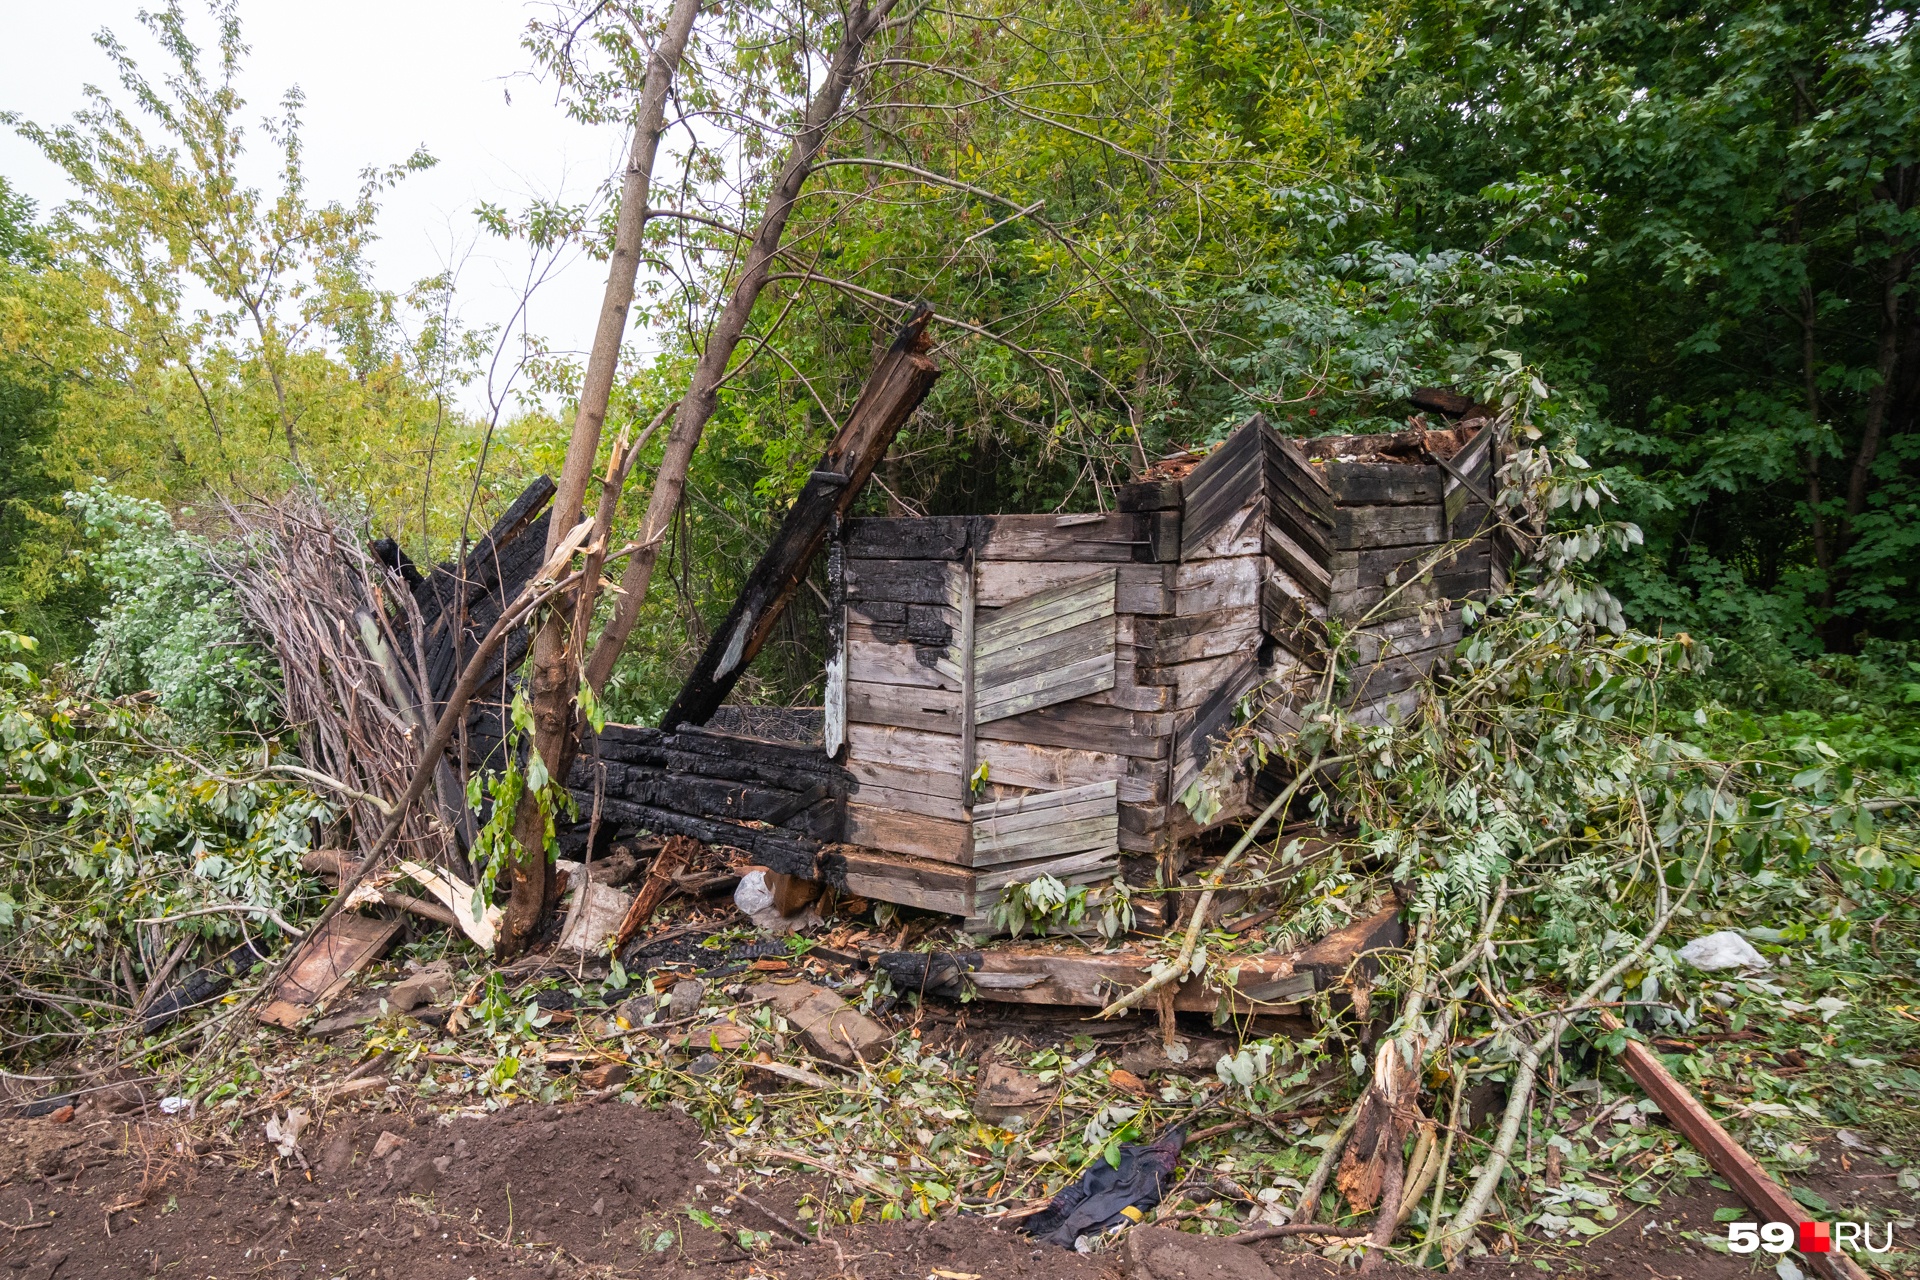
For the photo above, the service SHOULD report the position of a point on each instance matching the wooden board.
(1238, 535)
(894, 877)
(1052, 647)
(1139, 588)
(900, 832)
(1227, 481)
(1391, 525)
(908, 538)
(912, 706)
(903, 581)
(1047, 824)
(1218, 584)
(1115, 537)
(1372, 483)
(870, 661)
(1085, 723)
(1200, 635)
(326, 963)
(1020, 764)
(1298, 628)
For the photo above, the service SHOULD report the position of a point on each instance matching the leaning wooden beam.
(900, 381)
(1729, 1159)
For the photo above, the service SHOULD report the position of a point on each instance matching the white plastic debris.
(175, 1105)
(754, 897)
(1723, 950)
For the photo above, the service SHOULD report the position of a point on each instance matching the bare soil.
(606, 1189)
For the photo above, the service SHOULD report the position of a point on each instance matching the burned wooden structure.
(1016, 694)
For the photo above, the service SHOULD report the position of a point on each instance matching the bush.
(170, 624)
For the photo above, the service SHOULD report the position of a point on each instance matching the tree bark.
(556, 647)
(703, 394)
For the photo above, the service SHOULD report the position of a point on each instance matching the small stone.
(443, 1163)
(605, 1075)
(386, 1144)
(686, 998)
(833, 1028)
(63, 1115)
(430, 985)
(335, 1155)
(1006, 1096)
(705, 1064)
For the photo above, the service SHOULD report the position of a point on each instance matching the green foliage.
(119, 837)
(1740, 229)
(171, 626)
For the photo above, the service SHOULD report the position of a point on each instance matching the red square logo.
(1816, 1237)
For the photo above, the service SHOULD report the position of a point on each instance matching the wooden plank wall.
(1274, 543)
(1059, 708)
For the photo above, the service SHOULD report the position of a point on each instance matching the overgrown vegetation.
(1137, 225)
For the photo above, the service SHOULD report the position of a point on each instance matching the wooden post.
(900, 381)
(833, 728)
(968, 591)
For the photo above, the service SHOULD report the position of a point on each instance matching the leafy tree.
(1738, 201)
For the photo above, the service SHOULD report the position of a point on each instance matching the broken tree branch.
(1177, 970)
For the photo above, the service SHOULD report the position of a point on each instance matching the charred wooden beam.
(900, 381)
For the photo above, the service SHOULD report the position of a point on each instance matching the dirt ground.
(607, 1189)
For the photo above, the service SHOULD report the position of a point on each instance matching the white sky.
(380, 78)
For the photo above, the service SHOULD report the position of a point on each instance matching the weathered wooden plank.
(901, 832)
(1238, 535)
(1406, 524)
(1114, 537)
(1352, 570)
(1002, 582)
(908, 537)
(1021, 764)
(1307, 570)
(949, 806)
(1054, 847)
(833, 710)
(1051, 654)
(896, 877)
(1368, 601)
(1044, 801)
(903, 581)
(941, 784)
(1199, 635)
(915, 707)
(1150, 495)
(1209, 585)
(1288, 618)
(1087, 723)
(1062, 976)
(900, 380)
(872, 662)
(905, 748)
(1194, 740)
(1229, 494)
(1076, 868)
(1288, 462)
(1045, 612)
(1373, 483)
(1090, 826)
(1076, 678)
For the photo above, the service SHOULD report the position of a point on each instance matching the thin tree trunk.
(703, 394)
(1888, 358)
(556, 649)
